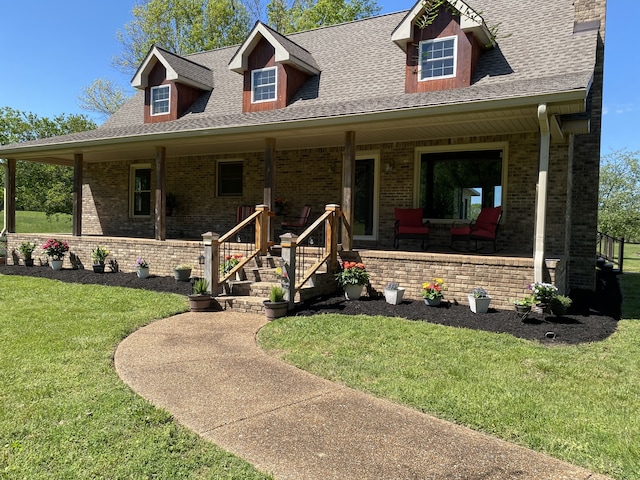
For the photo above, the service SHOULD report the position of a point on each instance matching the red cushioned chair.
(409, 225)
(297, 224)
(482, 229)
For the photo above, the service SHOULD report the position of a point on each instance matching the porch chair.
(482, 229)
(297, 224)
(242, 212)
(409, 225)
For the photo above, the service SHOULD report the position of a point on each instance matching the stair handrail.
(606, 249)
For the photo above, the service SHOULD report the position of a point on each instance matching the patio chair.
(482, 229)
(297, 224)
(409, 225)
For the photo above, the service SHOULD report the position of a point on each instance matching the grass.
(576, 403)
(37, 222)
(631, 257)
(65, 413)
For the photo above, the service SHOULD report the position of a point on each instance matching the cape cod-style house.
(354, 121)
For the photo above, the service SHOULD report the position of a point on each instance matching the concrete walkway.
(207, 370)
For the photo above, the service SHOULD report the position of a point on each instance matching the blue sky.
(51, 50)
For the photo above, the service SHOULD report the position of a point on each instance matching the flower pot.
(352, 292)
(199, 303)
(275, 309)
(394, 296)
(479, 305)
(181, 275)
(142, 272)
(98, 267)
(28, 262)
(523, 310)
(433, 302)
(56, 264)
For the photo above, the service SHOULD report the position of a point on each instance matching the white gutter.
(541, 194)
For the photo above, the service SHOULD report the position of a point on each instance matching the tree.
(41, 187)
(103, 96)
(619, 195)
(182, 27)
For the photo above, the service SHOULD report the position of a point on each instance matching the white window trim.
(455, 58)
(151, 103)
(465, 147)
(229, 160)
(132, 186)
(253, 90)
(364, 155)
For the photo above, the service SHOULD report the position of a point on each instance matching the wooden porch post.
(161, 203)
(348, 187)
(331, 237)
(10, 195)
(78, 163)
(269, 195)
(541, 197)
(262, 229)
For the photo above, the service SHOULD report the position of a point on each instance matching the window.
(456, 185)
(263, 85)
(140, 191)
(160, 99)
(230, 179)
(437, 58)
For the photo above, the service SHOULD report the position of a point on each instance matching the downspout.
(5, 165)
(541, 198)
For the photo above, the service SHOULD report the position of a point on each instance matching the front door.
(365, 206)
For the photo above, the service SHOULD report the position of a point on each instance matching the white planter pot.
(394, 297)
(479, 305)
(56, 264)
(143, 272)
(353, 292)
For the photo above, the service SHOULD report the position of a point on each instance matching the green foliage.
(200, 286)
(39, 222)
(103, 96)
(41, 187)
(619, 195)
(576, 403)
(65, 413)
(26, 249)
(276, 294)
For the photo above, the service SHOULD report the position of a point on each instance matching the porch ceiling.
(298, 135)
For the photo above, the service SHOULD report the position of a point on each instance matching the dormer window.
(160, 99)
(438, 58)
(263, 85)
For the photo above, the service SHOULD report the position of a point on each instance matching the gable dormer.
(171, 83)
(273, 67)
(442, 55)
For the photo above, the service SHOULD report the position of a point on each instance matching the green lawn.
(576, 403)
(37, 222)
(65, 413)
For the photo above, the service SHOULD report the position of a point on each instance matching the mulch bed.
(586, 325)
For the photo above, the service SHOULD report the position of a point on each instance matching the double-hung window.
(160, 100)
(437, 58)
(263, 85)
(140, 191)
(229, 178)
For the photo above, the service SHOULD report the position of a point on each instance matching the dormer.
(443, 54)
(171, 84)
(273, 67)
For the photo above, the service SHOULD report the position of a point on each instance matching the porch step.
(240, 304)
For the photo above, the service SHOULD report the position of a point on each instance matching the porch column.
(10, 196)
(269, 194)
(161, 202)
(541, 197)
(211, 261)
(78, 163)
(348, 187)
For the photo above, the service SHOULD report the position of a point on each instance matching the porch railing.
(611, 250)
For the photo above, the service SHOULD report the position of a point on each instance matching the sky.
(50, 51)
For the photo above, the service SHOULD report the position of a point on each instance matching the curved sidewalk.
(206, 369)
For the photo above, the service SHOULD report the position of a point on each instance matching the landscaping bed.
(573, 328)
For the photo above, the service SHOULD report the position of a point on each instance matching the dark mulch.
(576, 327)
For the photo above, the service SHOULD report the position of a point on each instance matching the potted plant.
(142, 267)
(182, 272)
(479, 300)
(352, 278)
(230, 261)
(542, 294)
(433, 292)
(393, 293)
(26, 249)
(276, 306)
(55, 249)
(523, 306)
(200, 300)
(559, 305)
(98, 255)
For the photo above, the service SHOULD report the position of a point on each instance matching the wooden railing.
(611, 250)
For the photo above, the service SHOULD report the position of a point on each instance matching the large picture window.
(230, 179)
(437, 58)
(140, 191)
(456, 185)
